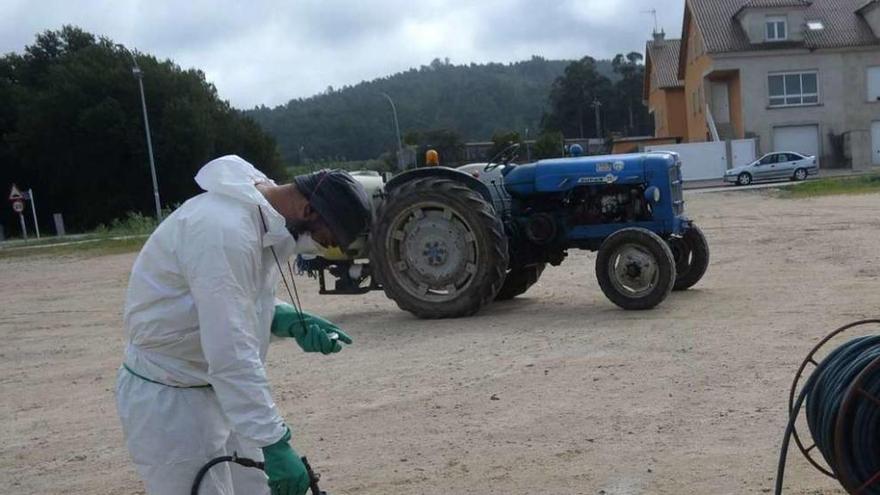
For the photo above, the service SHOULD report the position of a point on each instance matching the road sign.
(15, 194)
(18, 206)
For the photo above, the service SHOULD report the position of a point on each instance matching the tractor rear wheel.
(691, 255)
(635, 268)
(518, 281)
(438, 248)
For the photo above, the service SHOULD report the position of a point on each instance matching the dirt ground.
(556, 392)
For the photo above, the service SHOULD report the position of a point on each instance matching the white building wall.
(843, 95)
(699, 161)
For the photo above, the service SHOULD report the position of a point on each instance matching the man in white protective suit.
(199, 312)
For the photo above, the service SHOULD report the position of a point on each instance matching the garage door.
(803, 139)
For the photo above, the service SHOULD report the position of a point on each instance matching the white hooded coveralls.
(198, 312)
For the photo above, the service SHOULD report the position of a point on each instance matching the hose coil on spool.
(841, 400)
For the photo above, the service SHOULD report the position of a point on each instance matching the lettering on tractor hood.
(608, 179)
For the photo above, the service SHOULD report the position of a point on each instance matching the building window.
(793, 88)
(776, 29)
(874, 83)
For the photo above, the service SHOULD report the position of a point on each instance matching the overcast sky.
(269, 51)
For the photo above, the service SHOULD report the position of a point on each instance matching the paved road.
(732, 188)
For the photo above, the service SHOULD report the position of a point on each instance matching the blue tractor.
(448, 241)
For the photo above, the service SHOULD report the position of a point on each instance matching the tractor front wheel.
(635, 268)
(691, 254)
(438, 248)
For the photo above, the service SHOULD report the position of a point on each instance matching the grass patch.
(133, 223)
(123, 235)
(84, 248)
(828, 187)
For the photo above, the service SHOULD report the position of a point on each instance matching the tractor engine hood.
(563, 174)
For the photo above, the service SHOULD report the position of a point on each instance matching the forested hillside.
(474, 101)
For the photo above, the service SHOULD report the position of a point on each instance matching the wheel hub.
(435, 251)
(634, 270)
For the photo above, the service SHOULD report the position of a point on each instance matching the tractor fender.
(444, 173)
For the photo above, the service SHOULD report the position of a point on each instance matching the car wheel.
(744, 179)
(800, 174)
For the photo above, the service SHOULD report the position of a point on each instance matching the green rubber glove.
(318, 335)
(286, 471)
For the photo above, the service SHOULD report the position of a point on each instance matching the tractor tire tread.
(493, 278)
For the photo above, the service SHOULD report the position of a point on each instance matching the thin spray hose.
(244, 461)
(295, 301)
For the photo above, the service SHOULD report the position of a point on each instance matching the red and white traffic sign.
(18, 206)
(15, 194)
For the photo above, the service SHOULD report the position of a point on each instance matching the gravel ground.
(555, 392)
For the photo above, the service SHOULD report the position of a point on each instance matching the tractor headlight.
(652, 194)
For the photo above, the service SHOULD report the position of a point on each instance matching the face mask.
(306, 245)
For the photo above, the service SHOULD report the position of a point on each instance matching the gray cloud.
(269, 51)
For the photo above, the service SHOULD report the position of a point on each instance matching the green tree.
(628, 91)
(572, 97)
(71, 128)
(548, 145)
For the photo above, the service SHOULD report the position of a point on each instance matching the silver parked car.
(776, 165)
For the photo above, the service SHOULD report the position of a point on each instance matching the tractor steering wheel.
(503, 157)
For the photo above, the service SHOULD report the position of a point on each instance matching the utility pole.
(397, 130)
(139, 75)
(596, 106)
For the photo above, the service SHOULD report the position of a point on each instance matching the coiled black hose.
(851, 446)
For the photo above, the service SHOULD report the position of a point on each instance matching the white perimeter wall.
(706, 161)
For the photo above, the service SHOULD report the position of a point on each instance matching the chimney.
(659, 38)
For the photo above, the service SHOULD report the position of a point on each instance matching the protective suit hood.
(235, 177)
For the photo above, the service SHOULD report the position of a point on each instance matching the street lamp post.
(139, 75)
(528, 147)
(397, 130)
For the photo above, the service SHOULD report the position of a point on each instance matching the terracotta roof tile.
(844, 27)
(664, 64)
